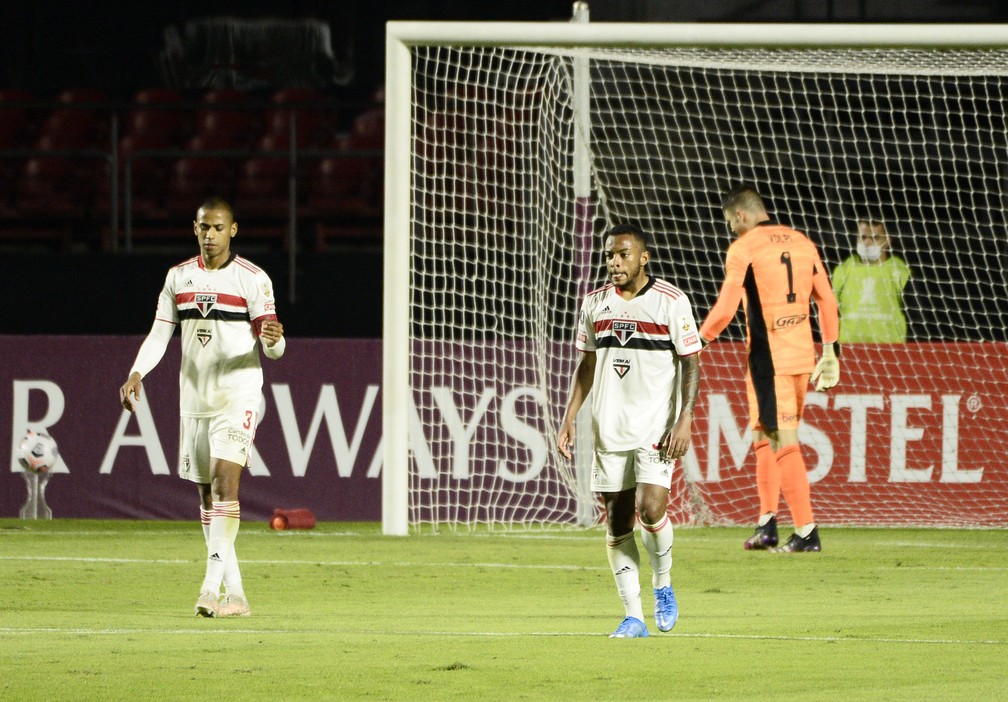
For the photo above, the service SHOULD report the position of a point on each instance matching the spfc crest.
(205, 302)
(624, 330)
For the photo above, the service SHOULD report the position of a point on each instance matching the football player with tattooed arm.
(226, 310)
(775, 271)
(640, 361)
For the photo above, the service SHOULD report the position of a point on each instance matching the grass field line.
(979, 569)
(92, 559)
(418, 564)
(171, 532)
(692, 534)
(398, 633)
(292, 561)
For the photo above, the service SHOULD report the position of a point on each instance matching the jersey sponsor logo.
(621, 366)
(204, 336)
(205, 302)
(624, 330)
(690, 340)
(790, 321)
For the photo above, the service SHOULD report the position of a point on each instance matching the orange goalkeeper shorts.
(776, 403)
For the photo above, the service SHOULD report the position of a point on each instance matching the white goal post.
(510, 147)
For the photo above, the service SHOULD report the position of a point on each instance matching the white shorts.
(616, 471)
(224, 436)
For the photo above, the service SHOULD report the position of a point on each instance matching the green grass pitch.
(103, 610)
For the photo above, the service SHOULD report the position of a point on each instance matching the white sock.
(764, 518)
(624, 559)
(204, 515)
(805, 530)
(232, 576)
(225, 518)
(657, 540)
(232, 573)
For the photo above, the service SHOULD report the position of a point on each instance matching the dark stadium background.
(48, 45)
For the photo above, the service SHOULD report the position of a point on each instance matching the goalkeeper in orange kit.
(775, 271)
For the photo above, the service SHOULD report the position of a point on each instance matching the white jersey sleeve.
(167, 309)
(685, 335)
(153, 348)
(260, 299)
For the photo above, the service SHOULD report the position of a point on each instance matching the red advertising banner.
(914, 434)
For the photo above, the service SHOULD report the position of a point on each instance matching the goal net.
(519, 154)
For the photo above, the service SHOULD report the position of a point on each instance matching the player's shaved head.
(743, 197)
(216, 203)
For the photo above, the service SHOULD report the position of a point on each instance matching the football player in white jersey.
(640, 354)
(225, 307)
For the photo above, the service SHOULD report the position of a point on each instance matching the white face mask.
(871, 252)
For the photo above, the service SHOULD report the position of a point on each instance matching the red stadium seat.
(230, 110)
(73, 130)
(263, 188)
(53, 188)
(345, 185)
(314, 123)
(92, 97)
(222, 97)
(344, 197)
(226, 129)
(81, 120)
(67, 130)
(368, 129)
(314, 129)
(148, 174)
(18, 122)
(159, 111)
(192, 179)
(335, 191)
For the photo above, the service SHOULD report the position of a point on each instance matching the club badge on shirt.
(624, 330)
(205, 302)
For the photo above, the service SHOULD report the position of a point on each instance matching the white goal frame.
(402, 36)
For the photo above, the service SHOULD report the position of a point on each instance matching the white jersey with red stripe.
(221, 312)
(638, 344)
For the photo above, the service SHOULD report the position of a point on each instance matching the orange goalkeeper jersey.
(775, 270)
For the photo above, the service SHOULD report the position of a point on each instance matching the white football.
(37, 452)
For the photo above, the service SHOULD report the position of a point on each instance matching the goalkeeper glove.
(827, 370)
